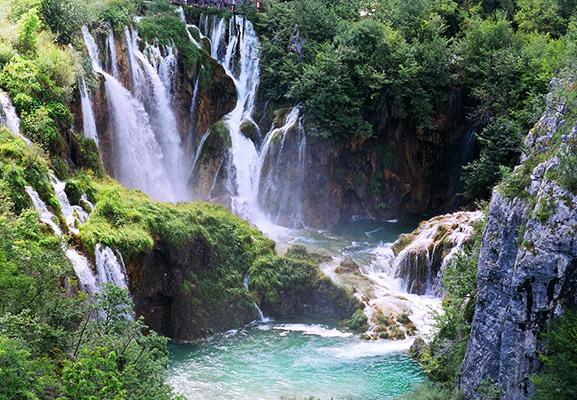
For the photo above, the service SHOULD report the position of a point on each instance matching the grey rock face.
(526, 274)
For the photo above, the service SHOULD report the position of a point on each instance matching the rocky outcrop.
(527, 270)
(166, 285)
(421, 255)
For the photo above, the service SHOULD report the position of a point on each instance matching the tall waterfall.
(282, 168)
(89, 123)
(147, 156)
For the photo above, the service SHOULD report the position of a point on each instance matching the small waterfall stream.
(9, 118)
(88, 121)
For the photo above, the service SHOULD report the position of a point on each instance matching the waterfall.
(261, 318)
(140, 161)
(44, 214)
(280, 175)
(89, 123)
(80, 264)
(194, 102)
(110, 268)
(244, 153)
(83, 271)
(70, 213)
(112, 56)
(423, 254)
(199, 150)
(156, 91)
(9, 118)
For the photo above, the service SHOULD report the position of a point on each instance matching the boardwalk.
(227, 4)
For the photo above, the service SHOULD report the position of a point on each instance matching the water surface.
(294, 360)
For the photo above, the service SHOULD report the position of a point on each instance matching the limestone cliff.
(527, 270)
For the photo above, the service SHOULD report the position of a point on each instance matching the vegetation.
(358, 66)
(559, 359)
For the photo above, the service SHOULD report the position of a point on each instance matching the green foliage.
(501, 142)
(567, 168)
(558, 380)
(28, 28)
(18, 367)
(432, 391)
(282, 284)
(358, 322)
(168, 29)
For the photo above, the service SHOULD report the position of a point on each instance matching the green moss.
(129, 221)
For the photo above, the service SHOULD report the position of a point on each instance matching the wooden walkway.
(226, 4)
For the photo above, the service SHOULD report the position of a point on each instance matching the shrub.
(558, 381)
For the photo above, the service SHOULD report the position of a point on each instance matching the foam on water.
(314, 329)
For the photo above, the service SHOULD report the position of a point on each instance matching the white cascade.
(244, 152)
(44, 214)
(9, 117)
(88, 121)
(280, 178)
(71, 213)
(110, 268)
(83, 271)
(139, 161)
(80, 264)
(199, 150)
(149, 70)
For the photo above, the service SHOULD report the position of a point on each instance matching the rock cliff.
(527, 270)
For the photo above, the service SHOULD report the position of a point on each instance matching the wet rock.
(348, 266)
(421, 255)
(251, 131)
(418, 348)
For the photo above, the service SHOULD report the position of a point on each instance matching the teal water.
(279, 362)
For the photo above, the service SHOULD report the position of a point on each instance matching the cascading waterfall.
(154, 89)
(71, 213)
(83, 271)
(110, 268)
(139, 161)
(9, 118)
(280, 176)
(44, 214)
(88, 121)
(258, 177)
(244, 152)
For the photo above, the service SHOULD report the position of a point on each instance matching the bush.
(559, 378)
(567, 169)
